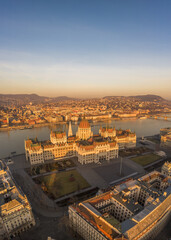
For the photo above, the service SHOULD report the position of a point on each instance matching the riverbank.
(25, 127)
(93, 122)
(13, 141)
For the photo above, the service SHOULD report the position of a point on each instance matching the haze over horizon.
(85, 49)
(65, 96)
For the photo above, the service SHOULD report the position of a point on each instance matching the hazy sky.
(85, 48)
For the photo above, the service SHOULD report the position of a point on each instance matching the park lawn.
(146, 159)
(62, 183)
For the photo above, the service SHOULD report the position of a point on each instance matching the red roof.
(89, 147)
(58, 134)
(84, 124)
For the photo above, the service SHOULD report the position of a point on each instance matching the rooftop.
(93, 210)
(97, 221)
(12, 198)
(84, 124)
(58, 134)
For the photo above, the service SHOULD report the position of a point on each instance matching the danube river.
(13, 141)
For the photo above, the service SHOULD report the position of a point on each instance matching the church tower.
(70, 130)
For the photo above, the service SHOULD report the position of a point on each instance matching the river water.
(13, 141)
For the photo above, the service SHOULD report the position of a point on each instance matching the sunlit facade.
(87, 147)
(135, 209)
(84, 130)
(16, 214)
(166, 169)
(96, 151)
(165, 137)
(125, 138)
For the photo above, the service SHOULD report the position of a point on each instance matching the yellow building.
(16, 214)
(58, 137)
(165, 137)
(166, 169)
(107, 132)
(87, 147)
(40, 152)
(96, 151)
(165, 140)
(126, 139)
(84, 130)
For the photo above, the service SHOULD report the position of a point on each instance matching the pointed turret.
(70, 130)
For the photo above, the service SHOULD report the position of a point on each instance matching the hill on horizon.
(147, 97)
(22, 99)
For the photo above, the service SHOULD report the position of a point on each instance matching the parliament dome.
(84, 124)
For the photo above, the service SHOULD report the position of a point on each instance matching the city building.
(58, 137)
(16, 214)
(107, 132)
(165, 137)
(87, 147)
(84, 130)
(95, 150)
(39, 152)
(164, 131)
(19, 113)
(165, 140)
(135, 209)
(166, 169)
(126, 139)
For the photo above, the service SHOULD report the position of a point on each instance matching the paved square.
(111, 172)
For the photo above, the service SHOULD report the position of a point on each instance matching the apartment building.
(122, 213)
(16, 214)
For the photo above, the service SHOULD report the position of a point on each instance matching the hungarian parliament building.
(86, 146)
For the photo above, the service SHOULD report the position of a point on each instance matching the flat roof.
(91, 208)
(129, 204)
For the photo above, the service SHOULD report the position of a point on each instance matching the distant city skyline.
(85, 49)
